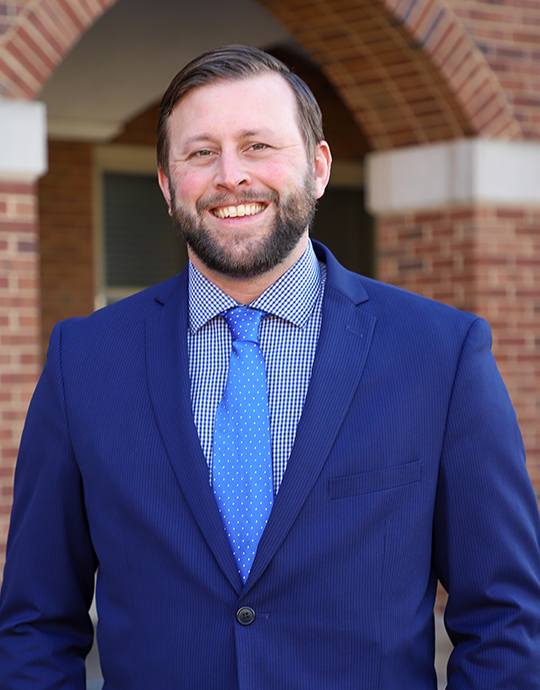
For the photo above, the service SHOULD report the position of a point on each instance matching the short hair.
(234, 63)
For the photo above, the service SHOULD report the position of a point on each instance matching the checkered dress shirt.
(288, 340)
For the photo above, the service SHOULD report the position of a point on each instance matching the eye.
(257, 147)
(201, 153)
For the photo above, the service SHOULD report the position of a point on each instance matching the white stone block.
(23, 139)
(454, 172)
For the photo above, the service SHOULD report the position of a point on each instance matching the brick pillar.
(22, 160)
(459, 222)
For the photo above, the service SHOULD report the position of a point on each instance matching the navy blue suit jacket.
(408, 468)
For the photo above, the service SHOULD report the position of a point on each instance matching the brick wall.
(19, 328)
(507, 32)
(66, 237)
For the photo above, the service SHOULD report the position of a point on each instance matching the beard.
(236, 254)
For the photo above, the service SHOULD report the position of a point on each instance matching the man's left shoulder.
(396, 302)
(389, 303)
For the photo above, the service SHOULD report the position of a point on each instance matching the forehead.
(224, 108)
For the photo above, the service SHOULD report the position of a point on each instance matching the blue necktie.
(242, 465)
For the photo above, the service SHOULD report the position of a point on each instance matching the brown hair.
(233, 63)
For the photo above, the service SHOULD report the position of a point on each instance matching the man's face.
(240, 188)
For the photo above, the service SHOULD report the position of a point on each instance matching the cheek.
(190, 185)
(280, 175)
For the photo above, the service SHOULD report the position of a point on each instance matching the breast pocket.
(369, 482)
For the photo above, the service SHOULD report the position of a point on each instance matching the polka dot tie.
(242, 465)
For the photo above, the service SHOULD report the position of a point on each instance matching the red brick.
(7, 187)
(22, 56)
(36, 48)
(40, 27)
(27, 246)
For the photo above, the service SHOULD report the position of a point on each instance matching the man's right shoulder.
(116, 327)
(129, 310)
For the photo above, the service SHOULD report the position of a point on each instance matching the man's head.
(241, 164)
(234, 63)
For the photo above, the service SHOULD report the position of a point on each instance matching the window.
(341, 221)
(137, 245)
(140, 245)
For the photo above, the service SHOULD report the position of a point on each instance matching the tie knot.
(243, 323)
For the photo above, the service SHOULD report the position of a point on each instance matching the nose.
(231, 171)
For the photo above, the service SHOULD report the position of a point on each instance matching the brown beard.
(293, 216)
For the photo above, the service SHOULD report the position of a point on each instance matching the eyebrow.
(242, 134)
(246, 133)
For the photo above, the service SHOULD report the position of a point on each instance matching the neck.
(246, 290)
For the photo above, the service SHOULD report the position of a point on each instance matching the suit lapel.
(343, 346)
(342, 350)
(168, 381)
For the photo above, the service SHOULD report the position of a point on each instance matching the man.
(395, 457)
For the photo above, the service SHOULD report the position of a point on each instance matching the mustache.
(228, 199)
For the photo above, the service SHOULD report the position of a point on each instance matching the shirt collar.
(292, 297)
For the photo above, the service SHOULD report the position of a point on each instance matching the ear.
(323, 164)
(163, 180)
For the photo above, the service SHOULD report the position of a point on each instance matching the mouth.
(238, 211)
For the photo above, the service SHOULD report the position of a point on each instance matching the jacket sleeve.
(45, 629)
(486, 532)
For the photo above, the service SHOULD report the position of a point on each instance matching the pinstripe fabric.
(288, 340)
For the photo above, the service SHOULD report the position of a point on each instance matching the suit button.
(245, 615)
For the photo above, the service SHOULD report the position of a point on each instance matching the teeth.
(238, 211)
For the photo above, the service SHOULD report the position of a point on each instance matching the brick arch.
(464, 68)
(38, 39)
(407, 69)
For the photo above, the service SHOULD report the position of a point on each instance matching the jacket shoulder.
(113, 333)
(126, 313)
(388, 303)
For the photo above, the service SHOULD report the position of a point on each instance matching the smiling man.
(238, 181)
(270, 461)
